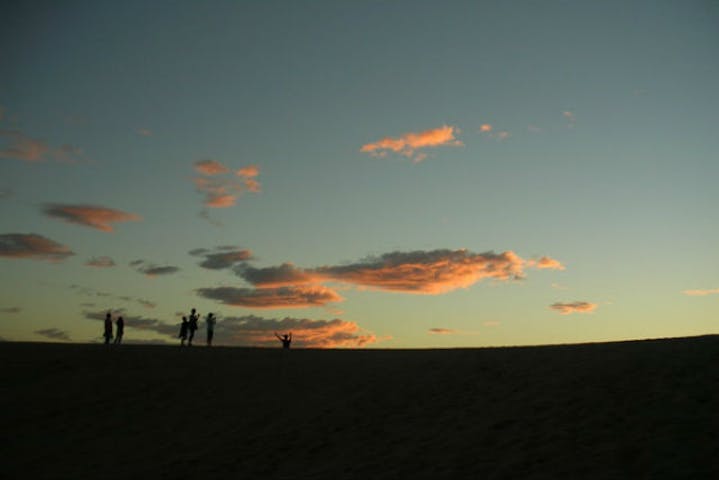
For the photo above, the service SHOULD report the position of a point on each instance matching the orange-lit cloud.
(485, 128)
(210, 167)
(221, 257)
(420, 272)
(31, 245)
(223, 191)
(21, 147)
(409, 143)
(570, 117)
(574, 307)
(306, 333)
(546, 263)
(152, 270)
(92, 216)
(427, 272)
(699, 293)
(441, 331)
(100, 262)
(280, 297)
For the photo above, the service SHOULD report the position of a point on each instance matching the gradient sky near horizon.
(379, 174)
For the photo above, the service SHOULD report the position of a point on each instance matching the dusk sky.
(375, 174)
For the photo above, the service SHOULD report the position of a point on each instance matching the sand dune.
(646, 409)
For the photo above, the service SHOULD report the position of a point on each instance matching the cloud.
(92, 216)
(485, 128)
(210, 167)
(427, 272)
(223, 191)
(699, 293)
(221, 257)
(136, 321)
(489, 130)
(574, 307)
(570, 117)
(491, 323)
(151, 270)
(31, 245)
(146, 303)
(307, 333)
(53, 334)
(10, 310)
(280, 276)
(100, 262)
(281, 297)
(546, 263)
(441, 331)
(89, 291)
(21, 147)
(144, 132)
(409, 144)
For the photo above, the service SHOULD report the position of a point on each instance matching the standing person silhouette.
(192, 326)
(108, 328)
(210, 323)
(120, 330)
(183, 331)
(286, 340)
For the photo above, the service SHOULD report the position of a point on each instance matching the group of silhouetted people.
(119, 330)
(189, 326)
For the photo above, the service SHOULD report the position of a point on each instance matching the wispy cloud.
(10, 310)
(220, 188)
(281, 297)
(144, 132)
(92, 292)
(411, 145)
(19, 146)
(570, 118)
(488, 130)
(210, 167)
(33, 246)
(441, 331)
(92, 216)
(53, 334)
(574, 307)
(546, 263)
(700, 293)
(221, 257)
(151, 269)
(100, 262)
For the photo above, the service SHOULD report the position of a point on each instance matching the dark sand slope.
(645, 409)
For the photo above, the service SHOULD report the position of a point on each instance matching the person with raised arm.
(286, 340)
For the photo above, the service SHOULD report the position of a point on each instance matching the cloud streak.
(221, 257)
(32, 246)
(53, 334)
(411, 145)
(573, 307)
(281, 297)
(92, 216)
(701, 292)
(100, 262)
(151, 269)
(22, 147)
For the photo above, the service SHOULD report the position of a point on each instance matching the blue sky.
(601, 156)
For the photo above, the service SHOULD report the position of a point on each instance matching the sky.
(369, 174)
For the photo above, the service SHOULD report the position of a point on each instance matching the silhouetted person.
(108, 328)
(286, 339)
(120, 330)
(183, 331)
(192, 326)
(211, 320)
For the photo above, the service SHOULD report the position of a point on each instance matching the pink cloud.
(485, 128)
(33, 246)
(210, 167)
(546, 263)
(574, 307)
(409, 143)
(92, 216)
(249, 171)
(441, 331)
(22, 147)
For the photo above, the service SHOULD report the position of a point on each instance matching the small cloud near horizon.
(151, 269)
(280, 297)
(53, 334)
(574, 307)
(10, 310)
(701, 292)
(92, 216)
(32, 246)
(441, 331)
(411, 145)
